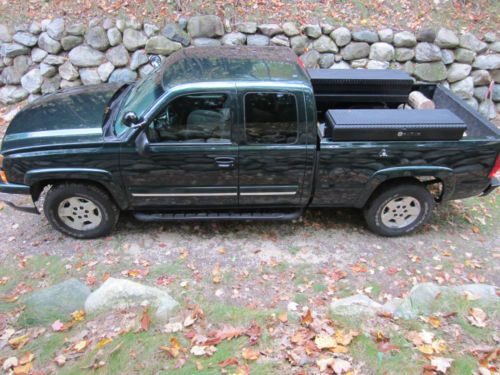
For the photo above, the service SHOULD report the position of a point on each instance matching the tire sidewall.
(60, 193)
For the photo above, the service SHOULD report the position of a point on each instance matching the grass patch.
(463, 364)
(45, 347)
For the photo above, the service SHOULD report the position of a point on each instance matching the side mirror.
(130, 119)
(142, 144)
(155, 60)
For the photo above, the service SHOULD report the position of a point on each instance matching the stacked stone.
(43, 57)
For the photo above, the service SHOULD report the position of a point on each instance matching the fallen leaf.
(145, 320)
(57, 326)
(9, 363)
(343, 338)
(325, 341)
(441, 364)
(307, 318)
(80, 346)
(283, 317)
(78, 315)
(243, 370)
(477, 317)
(172, 327)
(60, 360)
(229, 362)
(386, 346)
(434, 321)
(26, 358)
(216, 274)
(341, 366)
(199, 350)
(250, 354)
(18, 342)
(103, 342)
(23, 369)
(174, 349)
(324, 363)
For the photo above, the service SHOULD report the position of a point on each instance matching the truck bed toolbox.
(391, 86)
(393, 125)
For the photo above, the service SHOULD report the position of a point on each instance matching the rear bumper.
(17, 189)
(495, 182)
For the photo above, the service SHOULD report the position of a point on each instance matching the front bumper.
(495, 182)
(17, 189)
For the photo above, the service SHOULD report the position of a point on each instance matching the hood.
(68, 116)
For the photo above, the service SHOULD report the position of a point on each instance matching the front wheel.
(399, 209)
(80, 211)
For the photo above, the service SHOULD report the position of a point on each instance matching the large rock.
(90, 76)
(114, 36)
(426, 35)
(325, 44)
(26, 39)
(487, 109)
(326, 60)
(247, 27)
(97, 38)
(310, 58)
(85, 56)
(405, 39)
(160, 45)
(105, 70)
(280, 40)
(270, 29)
(488, 62)
(32, 81)
(38, 54)
(480, 92)
(77, 29)
(13, 49)
(495, 47)
(71, 41)
(208, 42)
(68, 72)
(341, 36)
(355, 50)
(386, 35)
(48, 44)
(496, 93)
(47, 70)
(381, 51)
(464, 55)
(258, 40)
(54, 303)
(368, 36)
(11, 75)
(448, 56)
(175, 33)
(120, 293)
(312, 31)
(205, 27)
(234, 39)
(432, 72)
(457, 72)
(139, 58)
(427, 52)
(124, 75)
(358, 304)
(341, 65)
(12, 94)
(446, 38)
(404, 54)
(118, 56)
(464, 88)
(469, 41)
(481, 77)
(54, 60)
(55, 29)
(290, 29)
(134, 40)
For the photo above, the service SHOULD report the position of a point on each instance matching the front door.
(272, 155)
(192, 161)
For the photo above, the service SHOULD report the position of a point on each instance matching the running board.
(223, 216)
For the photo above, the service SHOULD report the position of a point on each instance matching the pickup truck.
(246, 133)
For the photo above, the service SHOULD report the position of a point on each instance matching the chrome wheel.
(400, 212)
(79, 213)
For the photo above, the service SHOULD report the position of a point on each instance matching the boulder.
(160, 45)
(25, 39)
(56, 302)
(32, 81)
(368, 36)
(48, 44)
(312, 31)
(481, 77)
(464, 55)
(108, 23)
(404, 54)
(480, 92)
(175, 33)
(290, 29)
(97, 38)
(120, 293)
(464, 88)
(247, 27)
(151, 30)
(418, 301)
(68, 72)
(381, 51)
(359, 63)
(310, 59)
(90, 76)
(85, 56)
(134, 40)
(490, 37)
(114, 36)
(118, 56)
(270, 29)
(205, 27)
(54, 60)
(133, 23)
(12, 94)
(234, 39)
(341, 36)
(11, 50)
(77, 29)
(496, 93)
(38, 54)
(427, 52)
(495, 75)
(258, 40)
(71, 41)
(124, 75)
(448, 56)
(47, 70)
(326, 28)
(488, 62)
(209, 42)
(326, 60)
(139, 58)
(446, 38)
(105, 70)
(457, 72)
(55, 29)
(405, 39)
(11, 75)
(426, 35)
(280, 40)
(487, 109)
(374, 64)
(386, 35)
(358, 304)
(473, 103)
(341, 65)
(325, 44)
(469, 41)
(355, 50)
(431, 72)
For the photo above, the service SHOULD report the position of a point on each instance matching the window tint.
(270, 118)
(193, 118)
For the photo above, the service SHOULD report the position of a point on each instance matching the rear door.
(272, 155)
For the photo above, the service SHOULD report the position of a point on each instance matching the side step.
(222, 216)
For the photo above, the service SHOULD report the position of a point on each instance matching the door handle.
(225, 162)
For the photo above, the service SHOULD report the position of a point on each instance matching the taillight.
(301, 63)
(495, 172)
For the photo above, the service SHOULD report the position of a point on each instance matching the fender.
(446, 175)
(99, 176)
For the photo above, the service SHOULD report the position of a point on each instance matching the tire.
(80, 211)
(399, 209)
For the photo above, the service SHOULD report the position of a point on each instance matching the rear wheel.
(399, 209)
(80, 211)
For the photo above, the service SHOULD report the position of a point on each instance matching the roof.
(232, 63)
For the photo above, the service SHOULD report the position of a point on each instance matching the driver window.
(193, 118)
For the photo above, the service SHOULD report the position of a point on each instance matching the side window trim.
(245, 140)
(231, 97)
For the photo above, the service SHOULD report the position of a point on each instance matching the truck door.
(272, 153)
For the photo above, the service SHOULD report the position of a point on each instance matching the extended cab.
(245, 133)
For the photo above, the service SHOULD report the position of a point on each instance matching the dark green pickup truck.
(246, 134)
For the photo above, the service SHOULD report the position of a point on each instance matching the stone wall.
(41, 57)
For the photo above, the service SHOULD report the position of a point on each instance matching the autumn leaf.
(307, 318)
(80, 346)
(343, 338)
(145, 320)
(78, 315)
(60, 360)
(18, 342)
(441, 364)
(229, 362)
(283, 317)
(26, 358)
(103, 342)
(200, 350)
(23, 369)
(57, 326)
(325, 341)
(216, 274)
(477, 317)
(359, 268)
(341, 366)
(434, 321)
(250, 354)
(174, 349)
(386, 346)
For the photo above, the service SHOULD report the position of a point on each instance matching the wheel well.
(433, 184)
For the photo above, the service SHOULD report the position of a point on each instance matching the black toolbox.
(360, 85)
(393, 125)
